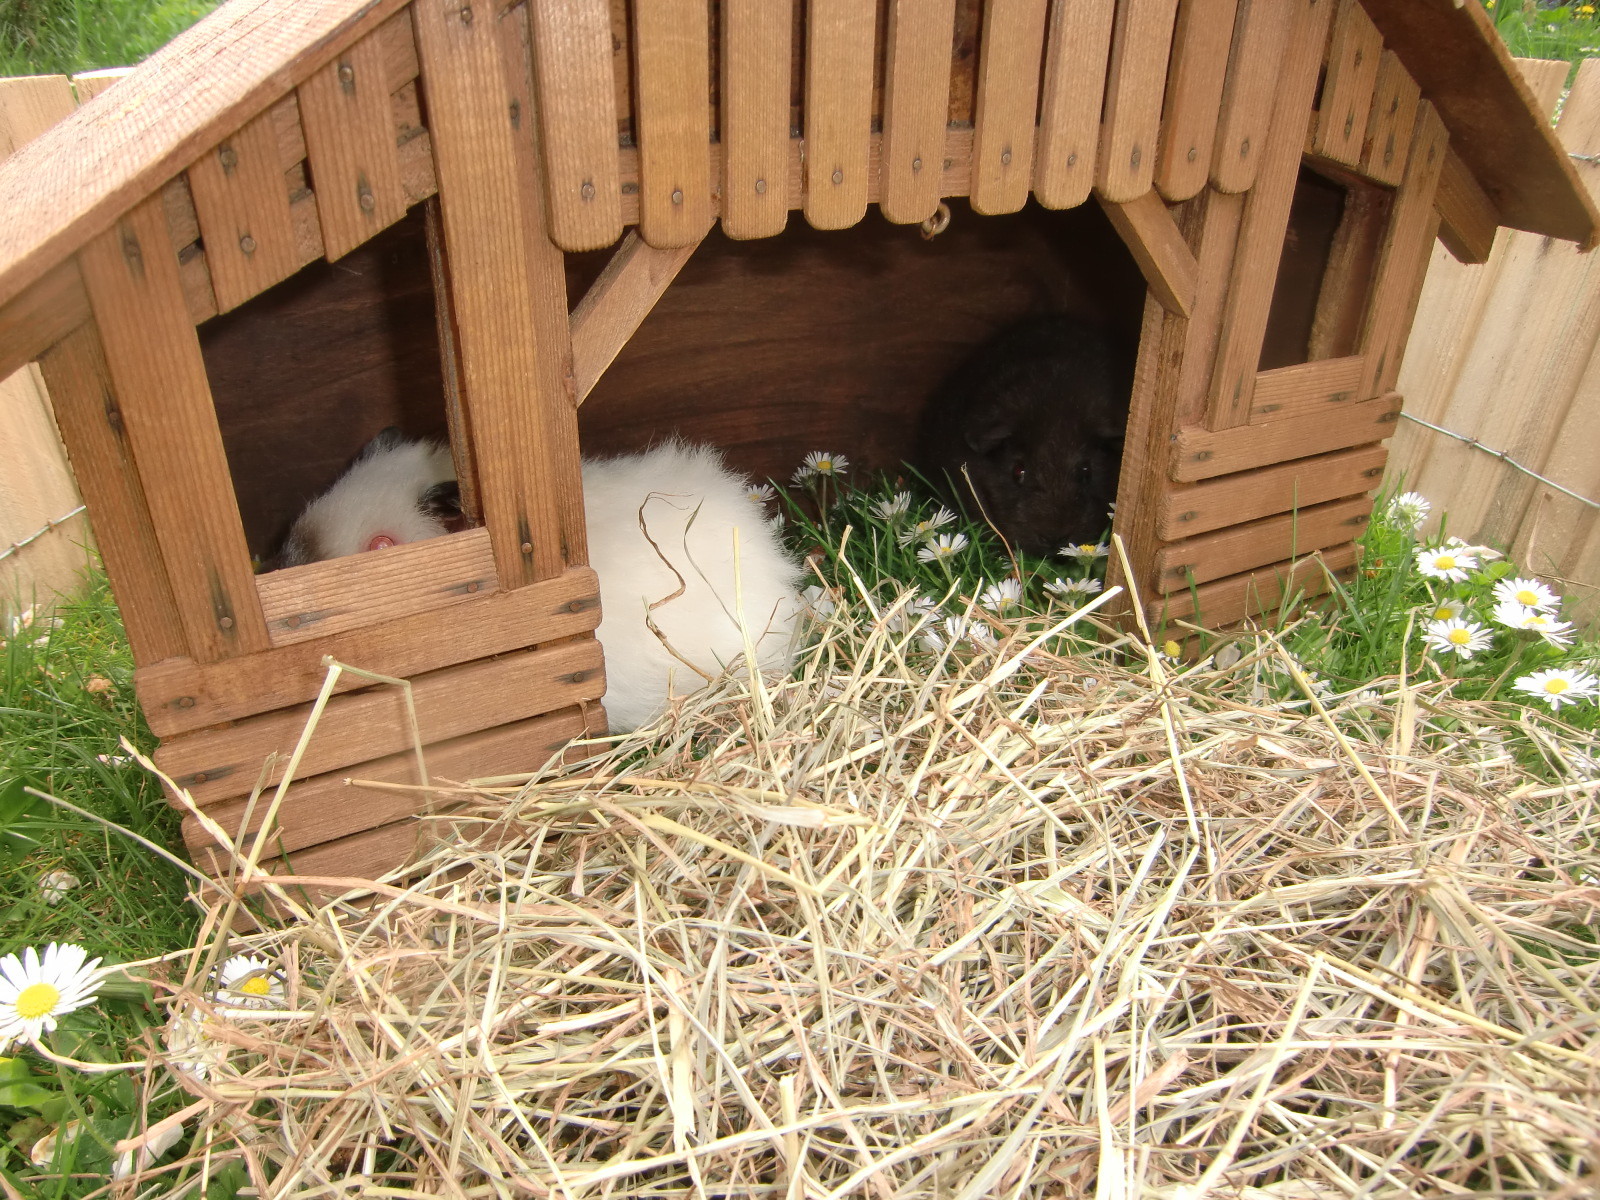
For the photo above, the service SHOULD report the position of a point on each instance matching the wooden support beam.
(617, 303)
(1156, 243)
(1468, 218)
(1205, 454)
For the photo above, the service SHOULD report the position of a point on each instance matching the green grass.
(1568, 31)
(62, 37)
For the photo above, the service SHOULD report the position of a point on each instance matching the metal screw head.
(247, 244)
(677, 195)
(527, 547)
(201, 777)
(347, 75)
(1244, 148)
(761, 187)
(587, 190)
(1194, 153)
(228, 157)
(1072, 159)
(1134, 157)
(474, 586)
(577, 606)
(1005, 158)
(838, 176)
(366, 199)
(185, 701)
(916, 164)
(466, 14)
(225, 622)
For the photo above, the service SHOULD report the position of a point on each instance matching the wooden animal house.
(305, 220)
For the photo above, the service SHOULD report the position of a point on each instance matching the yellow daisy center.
(37, 1000)
(1555, 687)
(1086, 548)
(1445, 562)
(1442, 614)
(1527, 597)
(256, 985)
(1460, 636)
(1172, 648)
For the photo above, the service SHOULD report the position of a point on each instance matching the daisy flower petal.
(246, 981)
(1530, 593)
(36, 993)
(1559, 685)
(1455, 636)
(1446, 563)
(943, 548)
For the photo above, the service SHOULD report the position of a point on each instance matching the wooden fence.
(1507, 353)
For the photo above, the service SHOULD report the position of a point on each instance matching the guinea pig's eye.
(1019, 472)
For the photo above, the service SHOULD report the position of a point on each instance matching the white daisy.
(1444, 610)
(1085, 552)
(35, 992)
(943, 548)
(925, 529)
(1445, 563)
(892, 509)
(760, 493)
(1074, 587)
(249, 982)
(1559, 685)
(821, 462)
(1409, 509)
(191, 1049)
(1001, 597)
(1530, 593)
(1486, 553)
(55, 885)
(1456, 636)
(1170, 651)
(1547, 625)
(958, 629)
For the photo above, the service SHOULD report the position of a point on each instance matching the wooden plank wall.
(1505, 352)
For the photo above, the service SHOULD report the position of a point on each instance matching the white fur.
(378, 496)
(697, 513)
(701, 520)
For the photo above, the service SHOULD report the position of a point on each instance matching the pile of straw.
(983, 923)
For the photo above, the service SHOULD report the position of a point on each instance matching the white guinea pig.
(701, 520)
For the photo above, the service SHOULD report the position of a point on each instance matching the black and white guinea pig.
(1036, 415)
(699, 514)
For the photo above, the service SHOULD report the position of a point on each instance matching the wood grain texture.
(1305, 388)
(180, 695)
(1404, 255)
(78, 179)
(1354, 56)
(1188, 510)
(29, 106)
(1468, 219)
(1077, 57)
(1136, 82)
(217, 764)
(242, 202)
(1008, 99)
(1203, 453)
(491, 243)
(324, 598)
(89, 84)
(1195, 78)
(91, 427)
(1244, 547)
(1262, 35)
(671, 63)
(43, 315)
(348, 115)
(756, 53)
(371, 855)
(576, 101)
(1266, 211)
(841, 38)
(159, 382)
(617, 303)
(1395, 97)
(1157, 245)
(1223, 601)
(916, 96)
(332, 806)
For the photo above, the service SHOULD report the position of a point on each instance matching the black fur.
(1037, 416)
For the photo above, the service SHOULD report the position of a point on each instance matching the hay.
(992, 923)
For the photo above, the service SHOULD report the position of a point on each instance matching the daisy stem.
(1512, 664)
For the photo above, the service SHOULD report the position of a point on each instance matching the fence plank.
(672, 54)
(1394, 107)
(840, 36)
(756, 37)
(916, 96)
(1260, 39)
(1194, 96)
(1259, 543)
(1008, 99)
(1136, 82)
(1076, 60)
(1354, 57)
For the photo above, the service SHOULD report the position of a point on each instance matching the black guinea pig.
(1036, 415)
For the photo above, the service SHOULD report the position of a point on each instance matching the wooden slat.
(617, 303)
(324, 598)
(1220, 215)
(1188, 510)
(1306, 388)
(368, 855)
(840, 47)
(756, 51)
(916, 95)
(1077, 57)
(1204, 454)
(161, 393)
(1007, 101)
(86, 413)
(29, 106)
(1136, 82)
(89, 84)
(671, 49)
(216, 764)
(496, 255)
(1266, 213)
(1223, 601)
(243, 205)
(180, 695)
(1244, 547)
(331, 806)
(1194, 96)
(577, 120)
(1347, 93)
(1468, 219)
(1157, 246)
(42, 316)
(348, 116)
(1394, 108)
(1259, 83)
(1404, 255)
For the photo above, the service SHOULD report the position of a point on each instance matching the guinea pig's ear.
(386, 439)
(442, 502)
(988, 436)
